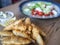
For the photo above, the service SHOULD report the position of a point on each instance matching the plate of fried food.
(22, 32)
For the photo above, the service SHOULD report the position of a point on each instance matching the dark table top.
(50, 26)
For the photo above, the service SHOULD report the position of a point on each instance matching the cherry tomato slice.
(51, 13)
(46, 14)
(34, 12)
(40, 13)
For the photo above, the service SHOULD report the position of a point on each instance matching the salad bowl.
(40, 9)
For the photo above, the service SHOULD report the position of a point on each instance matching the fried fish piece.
(27, 21)
(40, 30)
(21, 27)
(30, 28)
(6, 33)
(18, 22)
(11, 44)
(37, 36)
(15, 40)
(42, 33)
(22, 34)
(25, 25)
(11, 27)
(3, 38)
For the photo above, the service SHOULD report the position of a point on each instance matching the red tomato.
(51, 13)
(46, 14)
(34, 12)
(40, 13)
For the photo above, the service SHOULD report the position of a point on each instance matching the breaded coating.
(27, 21)
(6, 33)
(37, 36)
(15, 40)
(22, 32)
(11, 44)
(11, 27)
(19, 33)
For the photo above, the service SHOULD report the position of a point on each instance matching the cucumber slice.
(41, 3)
(26, 10)
(39, 9)
(32, 7)
(46, 10)
(48, 4)
(37, 5)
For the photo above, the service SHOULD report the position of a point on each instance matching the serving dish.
(25, 4)
(6, 18)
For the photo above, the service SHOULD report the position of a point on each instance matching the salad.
(40, 9)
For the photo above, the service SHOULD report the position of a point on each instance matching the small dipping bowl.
(5, 16)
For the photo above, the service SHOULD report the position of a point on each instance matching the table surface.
(50, 26)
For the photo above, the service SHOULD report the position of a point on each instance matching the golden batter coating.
(22, 32)
(15, 40)
(6, 33)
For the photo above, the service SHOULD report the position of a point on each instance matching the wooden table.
(50, 26)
